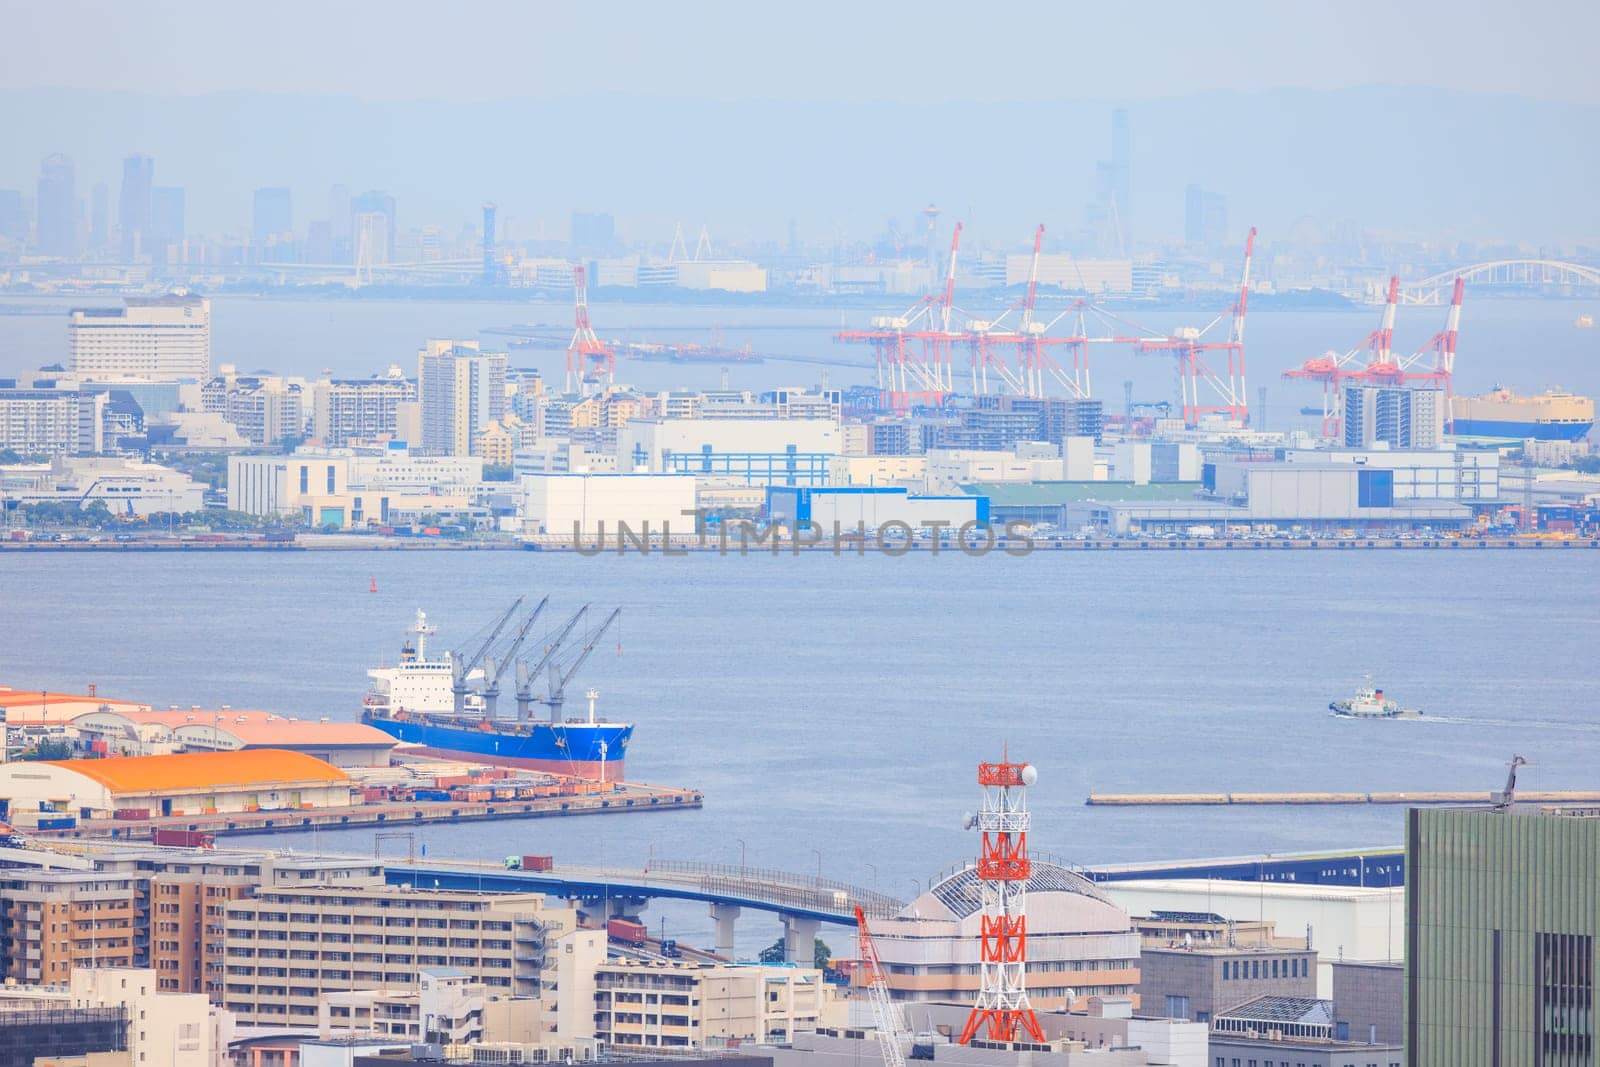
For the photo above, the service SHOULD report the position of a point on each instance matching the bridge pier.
(725, 916)
(614, 907)
(799, 939)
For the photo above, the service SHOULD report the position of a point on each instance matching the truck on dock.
(626, 931)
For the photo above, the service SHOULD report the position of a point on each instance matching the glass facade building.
(1502, 912)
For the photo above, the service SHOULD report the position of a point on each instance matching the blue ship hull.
(1539, 431)
(573, 749)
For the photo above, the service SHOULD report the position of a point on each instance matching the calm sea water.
(838, 706)
(1529, 345)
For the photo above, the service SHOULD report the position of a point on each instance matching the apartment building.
(345, 410)
(290, 944)
(52, 422)
(658, 1004)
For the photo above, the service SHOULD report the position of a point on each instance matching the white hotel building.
(161, 338)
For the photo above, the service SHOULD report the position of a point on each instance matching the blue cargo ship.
(1554, 415)
(415, 703)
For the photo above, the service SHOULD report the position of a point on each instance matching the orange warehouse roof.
(204, 770)
(34, 698)
(280, 731)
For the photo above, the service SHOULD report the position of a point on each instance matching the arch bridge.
(1499, 274)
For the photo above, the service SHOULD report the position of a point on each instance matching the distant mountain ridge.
(1416, 161)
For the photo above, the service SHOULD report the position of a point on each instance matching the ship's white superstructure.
(418, 683)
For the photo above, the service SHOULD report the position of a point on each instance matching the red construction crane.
(892, 1036)
(588, 358)
(1229, 391)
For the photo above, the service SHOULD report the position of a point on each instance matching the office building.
(642, 1004)
(1395, 416)
(159, 338)
(461, 390)
(372, 225)
(57, 208)
(30, 1029)
(52, 422)
(593, 232)
(348, 410)
(1502, 915)
(1199, 981)
(1205, 217)
(133, 216)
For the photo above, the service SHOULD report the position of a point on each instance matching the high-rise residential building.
(161, 338)
(1375, 415)
(57, 208)
(1502, 916)
(272, 216)
(461, 390)
(133, 218)
(266, 409)
(166, 218)
(359, 410)
(1205, 216)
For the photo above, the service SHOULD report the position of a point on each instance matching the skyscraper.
(57, 208)
(138, 176)
(1114, 210)
(272, 217)
(13, 223)
(375, 202)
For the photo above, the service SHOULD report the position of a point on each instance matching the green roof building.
(1502, 913)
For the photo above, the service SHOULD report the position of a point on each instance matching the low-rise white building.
(754, 451)
(127, 487)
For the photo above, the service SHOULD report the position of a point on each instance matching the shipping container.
(182, 838)
(131, 813)
(538, 863)
(56, 822)
(627, 931)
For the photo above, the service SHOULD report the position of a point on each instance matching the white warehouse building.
(573, 504)
(728, 452)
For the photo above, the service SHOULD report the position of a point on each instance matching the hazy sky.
(815, 50)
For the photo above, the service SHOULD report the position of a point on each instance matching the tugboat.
(1370, 703)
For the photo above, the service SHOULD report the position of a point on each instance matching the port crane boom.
(559, 677)
(495, 667)
(526, 674)
(459, 668)
(885, 1012)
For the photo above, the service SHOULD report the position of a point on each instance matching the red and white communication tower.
(588, 358)
(1003, 871)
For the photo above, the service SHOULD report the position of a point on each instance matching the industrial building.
(678, 1004)
(1199, 981)
(161, 338)
(147, 732)
(1502, 915)
(127, 487)
(567, 504)
(258, 779)
(1303, 1029)
(1080, 943)
(871, 507)
(732, 452)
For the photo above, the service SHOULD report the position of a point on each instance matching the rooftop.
(260, 729)
(202, 770)
(1055, 494)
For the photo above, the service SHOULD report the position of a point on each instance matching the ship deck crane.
(526, 674)
(459, 668)
(494, 667)
(892, 1035)
(1506, 798)
(559, 677)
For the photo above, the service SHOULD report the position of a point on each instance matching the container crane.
(460, 667)
(892, 1034)
(588, 358)
(1229, 391)
(559, 676)
(495, 667)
